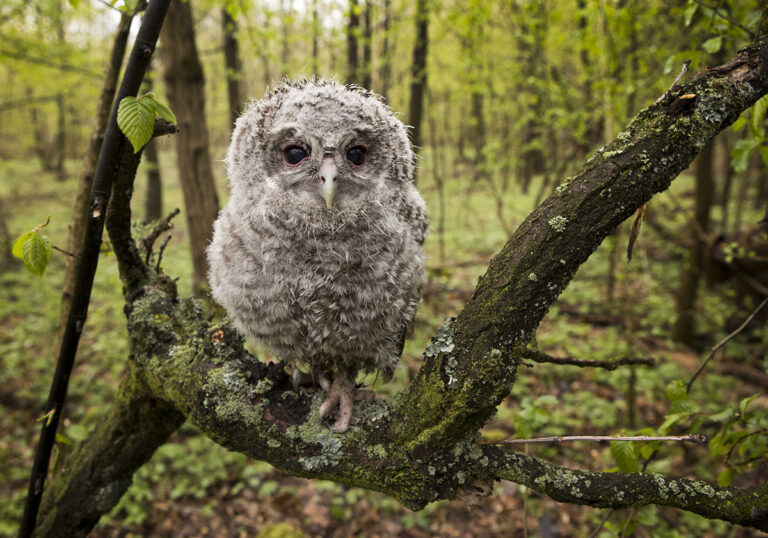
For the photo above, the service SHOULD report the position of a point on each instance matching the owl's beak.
(328, 173)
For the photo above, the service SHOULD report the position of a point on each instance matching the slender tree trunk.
(83, 195)
(285, 48)
(685, 326)
(478, 134)
(727, 173)
(42, 141)
(61, 107)
(385, 74)
(153, 208)
(315, 39)
(234, 67)
(6, 242)
(186, 92)
(367, 43)
(419, 72)
(353, 30)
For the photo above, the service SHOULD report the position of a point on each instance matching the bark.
(367, 45)
(685, 325)
(353, 31)
(234, 67)
(185, 83)
(83, 194)
(419, 73)
(418, 446)
(385, 75)
(315, 39)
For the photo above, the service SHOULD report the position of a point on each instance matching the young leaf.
(690, 11)
(725, 478)
(162, 110)
(36, 253)
(624, 454)
(758, 114)
(136, 119)
(18, 245)
(713, 45)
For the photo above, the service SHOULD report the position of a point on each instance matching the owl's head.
(321, 144)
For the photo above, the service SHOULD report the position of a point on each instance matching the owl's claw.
(300, 378)
(341, 394)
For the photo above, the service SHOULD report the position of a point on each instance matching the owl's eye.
(293, 154)
(356, 155)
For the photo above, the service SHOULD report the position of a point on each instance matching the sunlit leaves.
(136, 118)
(623, 453)
(34, 248)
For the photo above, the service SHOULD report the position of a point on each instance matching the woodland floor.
(193, 487)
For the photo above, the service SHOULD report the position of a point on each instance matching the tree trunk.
(727, 173)
(367, 44)
(7, 260)
(185, 84)
(61, 109)
(285, 48)
(385, 74)
(315, 39)
(153, 209)
(353, 30)
(42, 139)
(419, 73)
(685, 325)
(83, 195)
(234, 68)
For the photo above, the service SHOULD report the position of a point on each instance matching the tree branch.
(538, 356)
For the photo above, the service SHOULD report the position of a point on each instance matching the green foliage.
(34, 248)
(136, 118)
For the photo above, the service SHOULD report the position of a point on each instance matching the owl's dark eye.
(293, 155)
(356, 155)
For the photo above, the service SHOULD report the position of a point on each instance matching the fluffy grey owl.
(318, 254)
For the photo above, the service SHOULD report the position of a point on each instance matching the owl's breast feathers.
(330, 289)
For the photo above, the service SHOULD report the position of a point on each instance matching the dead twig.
(724, 341)
(693, 438)
(683, 71)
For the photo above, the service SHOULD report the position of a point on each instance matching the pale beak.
(328, 173)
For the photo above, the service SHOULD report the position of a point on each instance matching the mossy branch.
(418, 446)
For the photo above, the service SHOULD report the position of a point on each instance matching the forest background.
(514, 96)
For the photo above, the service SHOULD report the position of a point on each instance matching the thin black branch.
(541, 357)
(160, 252)
(70, 254)
(682, 72)
(724, 341)
(162, 226)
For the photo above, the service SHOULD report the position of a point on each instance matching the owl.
(318, 254)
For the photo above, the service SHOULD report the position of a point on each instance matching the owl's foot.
(342, 394)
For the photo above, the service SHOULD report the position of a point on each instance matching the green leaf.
(758, 114)
(161, 109)
(63, 439)
(676, 391)
(690, 11)
(725, 478)
(136, 119)
(36, 253)
(739, 124)
(130, 5)
(713, 45)
(624, 454)
(740, 153)
(74, 3)
(744, 404)
(18, 245)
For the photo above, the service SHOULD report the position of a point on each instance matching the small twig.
(750, 434)
(737, 24)
(724, 341)
(68, 253)
(160, 252)
(160, 228)
(693, 438)
(683, 71)
(608, 514)
(540, 357)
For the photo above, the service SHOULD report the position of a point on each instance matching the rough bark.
(185, 83)
(418, 446)
(685, 324)
(83, 194)
(418, 73)
(233, 65)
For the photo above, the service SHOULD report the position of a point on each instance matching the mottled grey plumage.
(332, 286)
